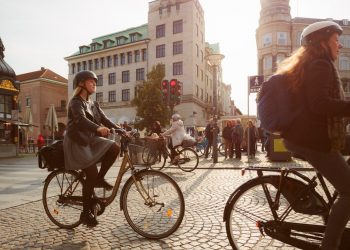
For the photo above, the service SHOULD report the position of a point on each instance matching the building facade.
(278, 35)
(174, 36)
(40, 89)
(9, 90)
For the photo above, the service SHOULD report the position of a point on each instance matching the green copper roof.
(115, 39)
(215, 48)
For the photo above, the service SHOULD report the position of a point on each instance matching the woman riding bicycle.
(85, 143)
(177, 132)
(317, 134)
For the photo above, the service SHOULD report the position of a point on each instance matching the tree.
(148, 102)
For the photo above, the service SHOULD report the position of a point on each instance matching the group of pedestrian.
(233, 138)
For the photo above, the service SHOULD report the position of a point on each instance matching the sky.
(40, 33)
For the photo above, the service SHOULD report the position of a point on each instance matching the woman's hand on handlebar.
(103, 131)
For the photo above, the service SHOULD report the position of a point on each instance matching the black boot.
(88, 219)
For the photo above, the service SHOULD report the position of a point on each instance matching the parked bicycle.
(284, 206)
(157, 154)
(201, 145)
(152, 202)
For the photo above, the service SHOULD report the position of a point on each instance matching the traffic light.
(175, 91)
(165, 91)
(178, 93)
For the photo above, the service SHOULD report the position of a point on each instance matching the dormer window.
(120, 40)
(133, 37)
(93, 47)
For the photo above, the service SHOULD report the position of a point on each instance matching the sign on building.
(255, 83)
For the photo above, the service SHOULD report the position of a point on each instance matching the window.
(144, 54)
(267, 39)
(102, 62)
(122, 59)
(345, 41)
(79, 67)
(282, 38)
(133, 37)
(99, 97)
(344, 62)
(177, 6)
(109, 61)
(137, 56)
(84, 65)
(177, 26)
(202, 94)
(111, 96)
(97, 64)
(280, 58)
(99, 80)
(115, 59)
(111, 78)
(125, 94)
(177, 68)
(267, 62)
(140, 74)
(28, 101)
(129, 57)
(6, 106)
(197, 50)
(177, 47)
(63, 104)
(160, 30)
(197, 91)
(90, 65)
(160, 51)
(73, 68)
(125, 76)
(197, 70)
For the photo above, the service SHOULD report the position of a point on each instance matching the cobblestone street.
(24, 224)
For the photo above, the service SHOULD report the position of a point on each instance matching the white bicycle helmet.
(319, 31)
(175, 117)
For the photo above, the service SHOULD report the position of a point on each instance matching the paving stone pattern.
(205, 190)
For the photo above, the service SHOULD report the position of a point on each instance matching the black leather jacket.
(84, 117)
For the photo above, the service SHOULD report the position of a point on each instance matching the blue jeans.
(334, 168)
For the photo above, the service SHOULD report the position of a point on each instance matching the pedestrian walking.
(251, 136)
(227, 136)
(237, 137)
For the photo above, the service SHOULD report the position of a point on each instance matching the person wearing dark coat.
(318, 132)
(85, 142)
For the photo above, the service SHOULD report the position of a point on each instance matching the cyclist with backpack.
(318, 133)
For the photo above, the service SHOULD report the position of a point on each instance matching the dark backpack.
(276, 105)
(51, 156)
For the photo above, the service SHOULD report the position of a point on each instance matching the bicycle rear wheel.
(153, 205)
(62, 198)
(188, 160)
(249, 207)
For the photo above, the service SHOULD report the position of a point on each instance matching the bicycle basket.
(51, 156)
(136, 150)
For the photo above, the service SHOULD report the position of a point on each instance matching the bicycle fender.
(49, 176)
(232, 196)
(121, 202)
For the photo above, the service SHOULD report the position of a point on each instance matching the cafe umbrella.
(51, 121)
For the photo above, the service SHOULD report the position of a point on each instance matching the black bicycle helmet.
(319, 31)
(82, 76)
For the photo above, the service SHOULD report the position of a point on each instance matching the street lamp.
(214, 61)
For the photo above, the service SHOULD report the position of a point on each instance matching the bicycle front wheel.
(188, 160)
(156, 160)
(153, 204)
(62, 198)
(249, 207)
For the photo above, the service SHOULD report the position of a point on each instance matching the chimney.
(42, 68)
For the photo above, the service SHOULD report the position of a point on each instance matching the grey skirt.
(77, 156)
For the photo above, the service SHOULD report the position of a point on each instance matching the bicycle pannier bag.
(51, 156)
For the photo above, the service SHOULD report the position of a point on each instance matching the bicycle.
(152, 202)
(156, 154)
(285, 208)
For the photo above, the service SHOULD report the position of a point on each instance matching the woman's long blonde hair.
(295, 65)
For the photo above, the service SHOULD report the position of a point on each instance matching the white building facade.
(173, 36)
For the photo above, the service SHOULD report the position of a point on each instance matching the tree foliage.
(148, 102)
